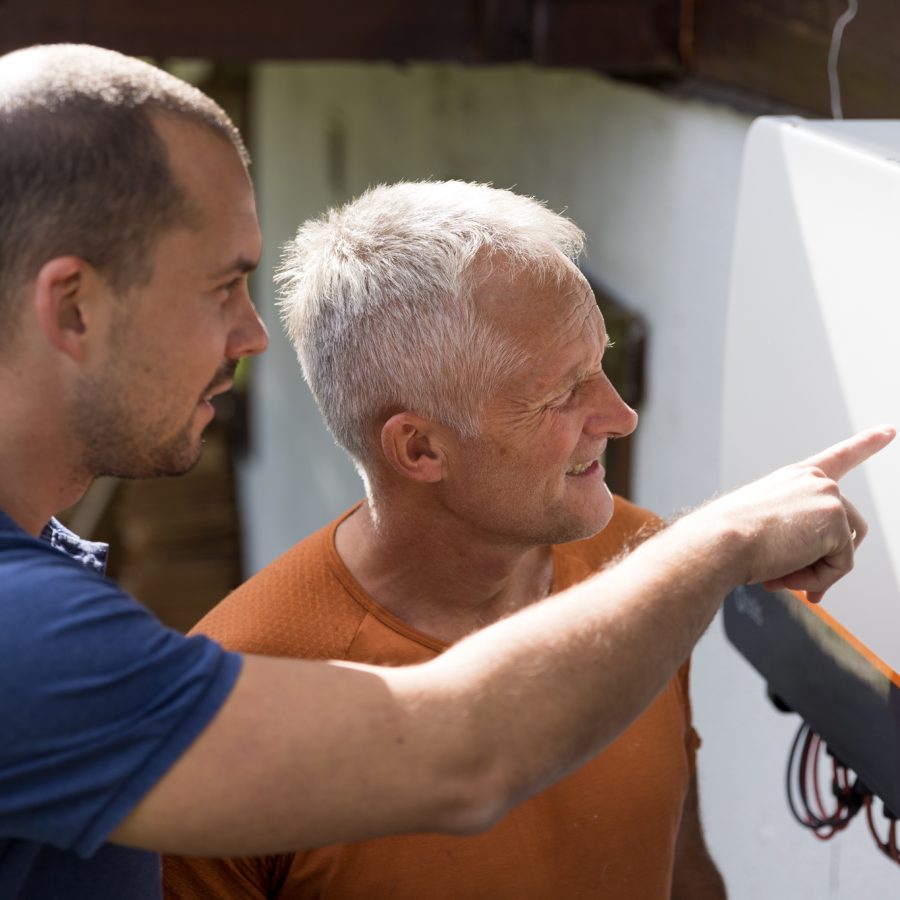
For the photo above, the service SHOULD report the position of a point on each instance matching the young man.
(127, 228)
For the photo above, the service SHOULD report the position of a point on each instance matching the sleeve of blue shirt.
(97, 698)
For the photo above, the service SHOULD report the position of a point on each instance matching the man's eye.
(563, 399)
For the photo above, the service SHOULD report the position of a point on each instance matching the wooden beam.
(775, 51)
(628, 37)
(639, 38)
(241, 31)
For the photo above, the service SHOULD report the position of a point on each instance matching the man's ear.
(62, 291)
(414, 447)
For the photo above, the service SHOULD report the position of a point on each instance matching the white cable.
(836, 37)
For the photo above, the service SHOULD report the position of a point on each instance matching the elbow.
(477, 795)
(473, 809)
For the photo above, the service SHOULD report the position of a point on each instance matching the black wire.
(849, 800)
(789, 779)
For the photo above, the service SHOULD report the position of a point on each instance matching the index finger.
(837, 460)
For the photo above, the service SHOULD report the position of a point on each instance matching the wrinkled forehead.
(532, 298)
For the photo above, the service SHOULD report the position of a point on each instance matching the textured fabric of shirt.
(97, 701)
(608, 830)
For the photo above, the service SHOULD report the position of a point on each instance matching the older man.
(456, 353)
(127, 229)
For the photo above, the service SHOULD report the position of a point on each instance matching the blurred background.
(630, 116)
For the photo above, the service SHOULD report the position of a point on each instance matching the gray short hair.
(82, 168)
(377, 297)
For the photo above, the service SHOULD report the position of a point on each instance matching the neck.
(33, 492)
(435, 574)
(40, 477)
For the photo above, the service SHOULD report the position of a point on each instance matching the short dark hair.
(83, 170)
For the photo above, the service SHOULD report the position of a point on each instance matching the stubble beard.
(116, 444)
(569, 529)
(537, 526)
(113, 444)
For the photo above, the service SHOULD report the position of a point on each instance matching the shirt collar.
(92, 554)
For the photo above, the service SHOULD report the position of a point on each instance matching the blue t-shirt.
(97, 701)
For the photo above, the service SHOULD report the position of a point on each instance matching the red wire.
(871, 822)
(811, 760)
(846, 797)
(888, 847)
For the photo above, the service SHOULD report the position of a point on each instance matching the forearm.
(305, 753)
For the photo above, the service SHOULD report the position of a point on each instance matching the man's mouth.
(584, 468)
(219, 389)
(221, 383)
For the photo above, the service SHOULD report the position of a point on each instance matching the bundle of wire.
(805, 794)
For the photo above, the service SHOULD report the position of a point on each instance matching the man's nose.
(249, 335)
(609, 414)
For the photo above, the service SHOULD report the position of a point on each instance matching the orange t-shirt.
(607, 830)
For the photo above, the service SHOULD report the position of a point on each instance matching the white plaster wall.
(653, 180)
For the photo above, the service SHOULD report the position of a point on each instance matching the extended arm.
(309, 753)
